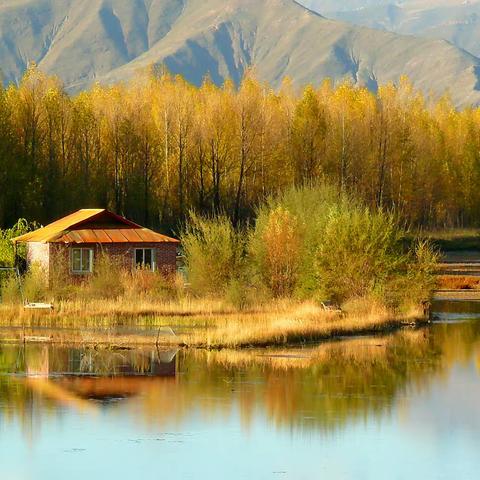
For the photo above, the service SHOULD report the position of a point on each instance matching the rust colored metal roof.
(52, 230)
(114, 235)
(69, 230)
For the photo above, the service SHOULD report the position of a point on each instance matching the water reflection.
(50, 360)
(413, 383)
(39, 378)
(317, 387)
(455, 310)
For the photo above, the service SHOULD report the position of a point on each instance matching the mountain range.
(457, 21)
(83, 41)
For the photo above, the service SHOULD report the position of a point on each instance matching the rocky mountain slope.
(83, 41)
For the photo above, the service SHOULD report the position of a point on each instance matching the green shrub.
(35, 284)
(7, 249)
(319, 243)
(11, 292)
(214, 254)
(358, 252)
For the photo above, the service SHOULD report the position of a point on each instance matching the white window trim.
(154, 257)
(91, 255)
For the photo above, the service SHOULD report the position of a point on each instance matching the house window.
(145, 258)
(82, 260)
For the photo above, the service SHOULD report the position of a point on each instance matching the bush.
(414, 285)
(276, 249)
(61, 286)
(237, 295)
(9, 283)
(11, 290)
(105, 282)
(358, 253)
(143, 282)
(35, 284)
(214, 254)
(310, 243)
(316, 242)
(7, 249)
(307, 209)
(364, 306)
(32, 287)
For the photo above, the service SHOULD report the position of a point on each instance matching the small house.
(75, 242)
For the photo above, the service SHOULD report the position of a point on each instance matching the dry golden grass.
(197, 323)
(300, 324)
(109, 311)
(464, 295)
(458, 282)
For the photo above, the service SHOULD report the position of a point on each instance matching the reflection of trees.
(321, 387)
(313, 388)
(324, 387)
(459, 342)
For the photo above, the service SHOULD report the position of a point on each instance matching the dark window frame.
(141, 265)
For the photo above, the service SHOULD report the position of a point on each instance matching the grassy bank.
(195, 323)
(301, 325)
(261, 283)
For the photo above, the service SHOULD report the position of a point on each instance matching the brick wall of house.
(123, 253)
(39, 254)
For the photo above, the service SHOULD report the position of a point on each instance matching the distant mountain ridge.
(83, 41)
(457, 21)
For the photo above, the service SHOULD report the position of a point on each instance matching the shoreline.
(335, 336)
(115, 340)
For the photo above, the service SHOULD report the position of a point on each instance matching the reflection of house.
(104, 388)
(127, 382)
(115, 381)
(37, 361)
(74, 243)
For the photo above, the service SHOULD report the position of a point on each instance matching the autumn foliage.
(310, 243)
(157, 147)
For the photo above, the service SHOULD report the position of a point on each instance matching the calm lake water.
(404, 406)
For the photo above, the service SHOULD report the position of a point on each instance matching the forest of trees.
(156, 147)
